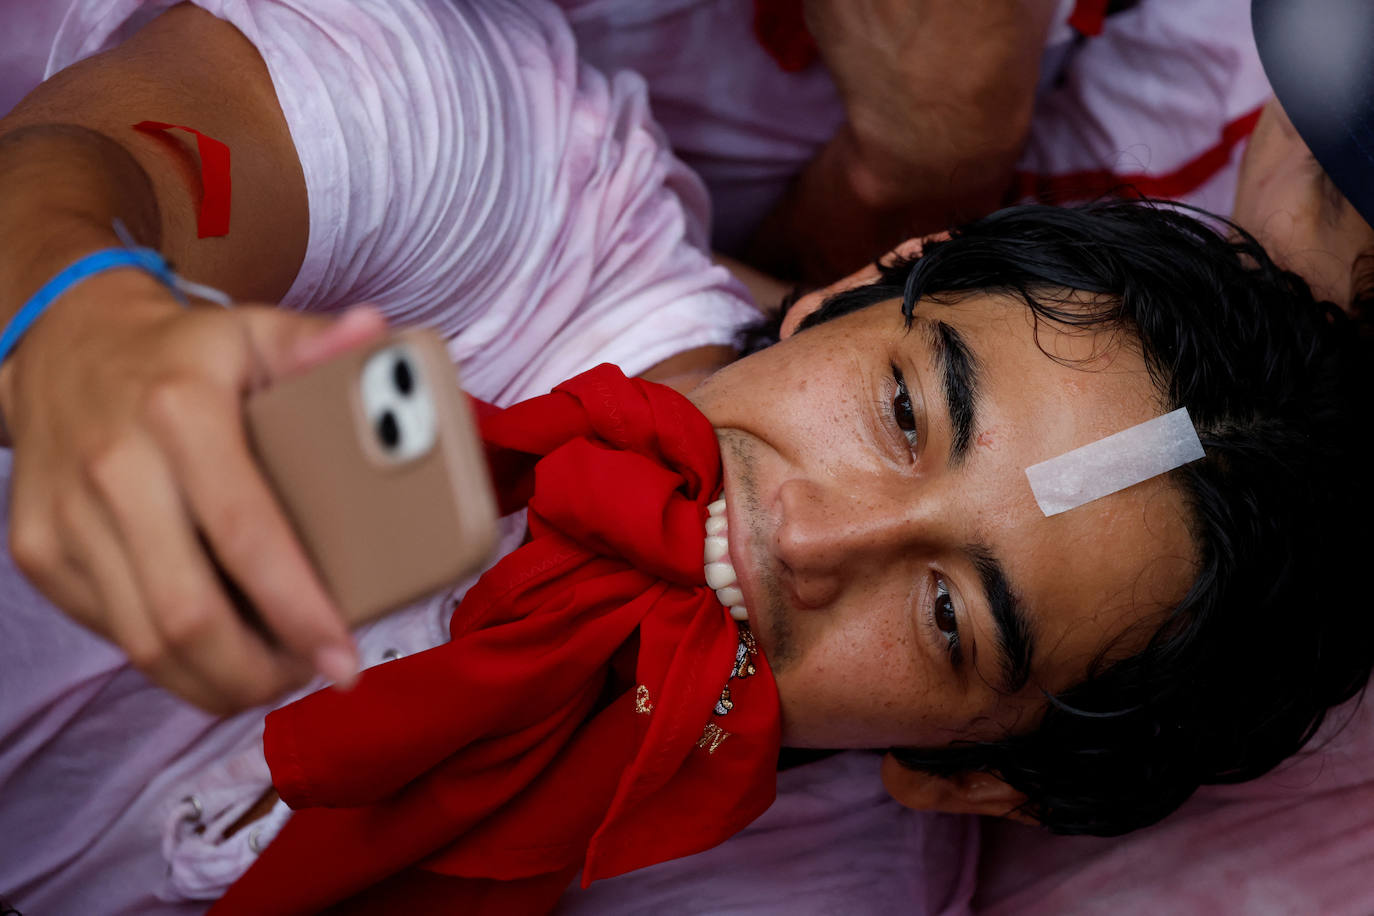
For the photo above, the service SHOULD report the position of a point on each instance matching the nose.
(829, 537)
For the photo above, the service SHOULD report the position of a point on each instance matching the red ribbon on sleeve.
(215, 185)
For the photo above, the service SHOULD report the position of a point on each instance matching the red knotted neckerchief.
(571, 722)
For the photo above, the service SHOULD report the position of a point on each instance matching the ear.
(811, 301)
(803, 307)
(964, 793)
(912, 248)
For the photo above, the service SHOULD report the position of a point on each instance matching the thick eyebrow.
(959, 371)
(1015, 642)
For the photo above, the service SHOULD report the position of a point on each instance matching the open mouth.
(720, 572)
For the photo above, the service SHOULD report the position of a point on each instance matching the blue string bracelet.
(145, 259)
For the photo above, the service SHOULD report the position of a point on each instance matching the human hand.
(938, 97)
(133, 486)
(931, 85)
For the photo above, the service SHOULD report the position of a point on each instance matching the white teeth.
(720, 575)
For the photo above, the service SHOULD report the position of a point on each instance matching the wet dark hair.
(1277, 627)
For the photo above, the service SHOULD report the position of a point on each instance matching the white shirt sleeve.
(465, 172)
(1163, 99)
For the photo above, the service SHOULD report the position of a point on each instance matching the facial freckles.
(845, 538)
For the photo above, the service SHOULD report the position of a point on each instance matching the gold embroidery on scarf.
(642, 704)
(745, 653)
(712, 737)
(744, 656)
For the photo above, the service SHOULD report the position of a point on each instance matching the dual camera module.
(396, 405)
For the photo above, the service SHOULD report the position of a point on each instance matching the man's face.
(883, 554)
(1285, 200)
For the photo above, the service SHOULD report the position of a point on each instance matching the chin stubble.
(778, 623)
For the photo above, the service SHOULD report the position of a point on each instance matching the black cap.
(1319, 57)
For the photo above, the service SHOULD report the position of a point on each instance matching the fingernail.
(338, 664)
(359, 311)
(359, 315)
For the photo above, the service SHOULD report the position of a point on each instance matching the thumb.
(283, 343)
(359, 325)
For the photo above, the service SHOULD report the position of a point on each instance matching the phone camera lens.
(402, 377)
(388, 431)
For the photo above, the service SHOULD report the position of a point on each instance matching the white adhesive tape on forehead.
(1119, 461)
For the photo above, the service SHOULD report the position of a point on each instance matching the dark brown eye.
(901, 409)
(947, 622)
(902, 412)
(945, 617)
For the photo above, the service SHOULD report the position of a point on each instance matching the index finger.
(252, 539)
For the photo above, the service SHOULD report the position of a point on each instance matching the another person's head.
(1089, 669)
(1306, 186)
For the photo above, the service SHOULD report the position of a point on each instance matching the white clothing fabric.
(730, 112)
(27, 30)
(833, 844)
(1151, 96)
(1166, 94)
(463, 171)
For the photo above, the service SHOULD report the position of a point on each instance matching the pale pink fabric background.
(1299, 841)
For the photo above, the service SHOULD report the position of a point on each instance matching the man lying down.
(1059, 510)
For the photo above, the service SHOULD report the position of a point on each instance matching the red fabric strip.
(780, 26)
(1094, 183)
(215, 185)
(1088, 16)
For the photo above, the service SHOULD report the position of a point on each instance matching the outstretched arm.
(132, 478)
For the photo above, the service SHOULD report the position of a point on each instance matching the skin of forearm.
(960, 90)
(844, 211)
(938, 106)
(62, 186)
(185, 67)
(71, 164)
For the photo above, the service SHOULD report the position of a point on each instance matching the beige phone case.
(382, 532)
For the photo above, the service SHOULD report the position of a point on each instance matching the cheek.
(859, 679)
(810, 409)
(746, 393)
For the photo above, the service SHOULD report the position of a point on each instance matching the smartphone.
(375, 457)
